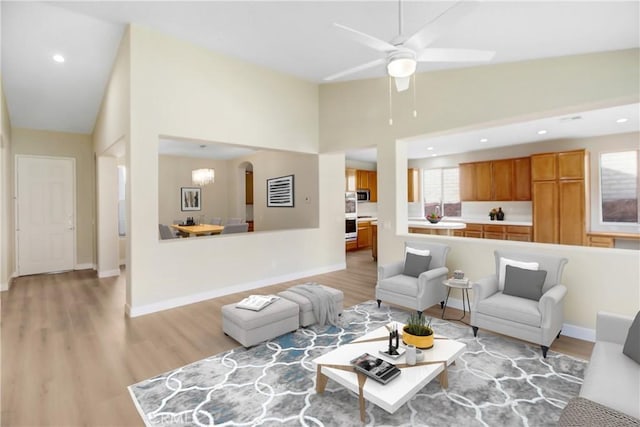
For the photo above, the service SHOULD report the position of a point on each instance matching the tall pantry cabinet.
(560, 183)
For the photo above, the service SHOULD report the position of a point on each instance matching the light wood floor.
(69, 352)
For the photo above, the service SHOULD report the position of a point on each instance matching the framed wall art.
(190, 198)
(280, 192)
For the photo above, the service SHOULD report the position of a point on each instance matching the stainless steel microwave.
(363, 195)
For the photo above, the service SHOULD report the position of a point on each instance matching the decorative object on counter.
(500, 215)
(418, 332)
(434, 218)
(393, 337)
(190, 198)
(492, 214)
(411, 355)
(458, 274)
(280, 192)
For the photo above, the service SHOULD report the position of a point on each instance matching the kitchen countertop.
(442, 225)
(479, 221)
(367, 218)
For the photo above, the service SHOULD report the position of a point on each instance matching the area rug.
(496, 382)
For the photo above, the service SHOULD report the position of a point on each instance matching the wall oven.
(351, 228)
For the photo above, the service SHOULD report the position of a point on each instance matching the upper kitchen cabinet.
(467, 182)
(522, 179)
(571, 165)
(502, 179)
(544, 167)
(506, 179)
(413, 185)
(373, 186)
(350, 179)
(362, 180)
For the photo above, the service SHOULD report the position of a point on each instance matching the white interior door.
(45, 214)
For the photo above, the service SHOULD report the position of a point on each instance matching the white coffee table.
(391, 396)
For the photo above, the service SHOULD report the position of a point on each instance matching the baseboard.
(85, 266)
(568, 330)
(579, 332)
(123, 262)
(5, 286)
(191, 299)
(108, 273)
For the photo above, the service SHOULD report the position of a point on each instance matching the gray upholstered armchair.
(418, 293)
(506, 301)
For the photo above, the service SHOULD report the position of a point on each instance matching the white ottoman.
(306, 310)
(250, 327)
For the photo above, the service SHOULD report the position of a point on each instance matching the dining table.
(198, 230)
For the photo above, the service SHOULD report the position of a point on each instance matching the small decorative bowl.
(433, 220)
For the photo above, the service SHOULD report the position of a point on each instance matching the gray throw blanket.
(321, 302)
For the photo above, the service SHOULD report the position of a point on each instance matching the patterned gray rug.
(496, 382)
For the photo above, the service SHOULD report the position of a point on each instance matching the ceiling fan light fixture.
(401, 65)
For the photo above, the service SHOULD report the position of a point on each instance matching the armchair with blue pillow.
(524, 299)
(416, 281)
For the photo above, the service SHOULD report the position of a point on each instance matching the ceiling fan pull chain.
(415, 110)
(390, 104)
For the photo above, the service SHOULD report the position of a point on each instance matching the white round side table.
(464, 288)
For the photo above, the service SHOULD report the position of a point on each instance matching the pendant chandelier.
(201, 177)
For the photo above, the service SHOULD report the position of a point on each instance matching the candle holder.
(394, 351)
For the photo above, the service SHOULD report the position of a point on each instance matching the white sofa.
(612, 379)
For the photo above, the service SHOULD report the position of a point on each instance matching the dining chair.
(235, 228)
(165, 232)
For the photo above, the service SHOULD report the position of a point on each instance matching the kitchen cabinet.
(520, 233)
(364, 234)
(502, 179)
(413, 185)
(483, 181)
(467, 173)
(248, 187)
(362, 180)
(350, 179)
(351, 245)
(522, 179)
(559, 194)
(496, 180)
(373, 186)
(496, 232)
(473, 230)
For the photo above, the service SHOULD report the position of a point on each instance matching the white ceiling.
(209, 150)
(294, 37)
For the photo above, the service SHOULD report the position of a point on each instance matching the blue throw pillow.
(415, 264)
(523, 283)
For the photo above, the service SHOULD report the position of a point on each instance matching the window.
(441, 191)
(122, 180)
(619, 187)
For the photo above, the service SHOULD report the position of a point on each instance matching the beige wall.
(595, 146)
(356, 113)
(272, 164)
(174, 172)
(7, 234)
(79, 147)
(180, 90)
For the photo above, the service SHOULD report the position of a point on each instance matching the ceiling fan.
(403, 53)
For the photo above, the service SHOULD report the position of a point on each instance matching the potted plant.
(418, 332)
(434, 218)
(493, 213)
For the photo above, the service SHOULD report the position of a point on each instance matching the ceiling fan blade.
(402, 83)
(367, 40)
(437, 26)
(454, 55)
(356, 69)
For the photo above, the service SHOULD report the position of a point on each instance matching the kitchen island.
(423, 226)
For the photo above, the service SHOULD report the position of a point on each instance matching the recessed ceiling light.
(622, 120)
(484, 139)
(58, 58)
(429, 148)
(542, 132)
